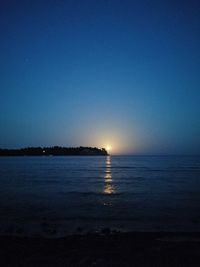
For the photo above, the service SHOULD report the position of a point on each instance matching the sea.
(62, 195)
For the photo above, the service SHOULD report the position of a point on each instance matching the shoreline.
(103, 249)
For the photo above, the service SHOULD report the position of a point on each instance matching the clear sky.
(97, 73)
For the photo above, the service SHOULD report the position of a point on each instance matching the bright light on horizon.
(114, 140)
(108, 148)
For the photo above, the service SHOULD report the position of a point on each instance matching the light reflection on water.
(108, 181)
(154, 193)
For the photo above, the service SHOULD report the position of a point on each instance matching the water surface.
(60, 195)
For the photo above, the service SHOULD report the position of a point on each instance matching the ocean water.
(62, 195)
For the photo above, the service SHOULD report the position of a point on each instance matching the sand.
(103, 249)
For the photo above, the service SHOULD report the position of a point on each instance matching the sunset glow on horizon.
(113, 74)
(108, 148)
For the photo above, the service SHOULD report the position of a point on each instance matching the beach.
(102, 249)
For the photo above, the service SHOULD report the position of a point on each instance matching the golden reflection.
(108, 163)
(108, 185)
(108, 178)
(108, 189)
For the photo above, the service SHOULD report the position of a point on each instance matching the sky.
(97, 73)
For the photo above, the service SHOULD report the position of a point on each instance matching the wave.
(101, 218)
(90, 193)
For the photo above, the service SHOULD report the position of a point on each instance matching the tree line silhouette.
(54, 151)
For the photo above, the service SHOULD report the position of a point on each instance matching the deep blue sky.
(97, 73)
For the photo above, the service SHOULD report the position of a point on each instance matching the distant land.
(54, 151)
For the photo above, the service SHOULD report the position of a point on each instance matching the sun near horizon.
(108, 148)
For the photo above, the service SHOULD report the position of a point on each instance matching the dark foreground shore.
(117, 249)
